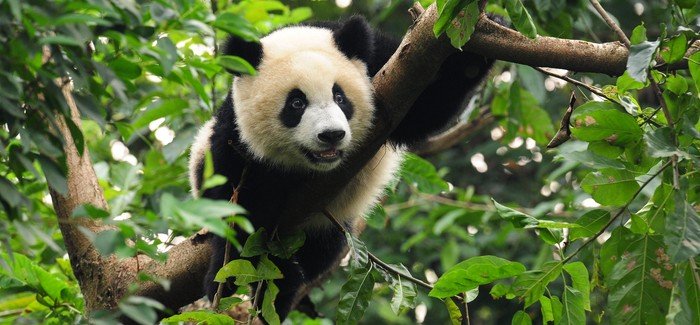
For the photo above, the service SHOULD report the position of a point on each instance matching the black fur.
(354, 39)
(250, 51)
(266, 189)
(345, 105)
(290, 115)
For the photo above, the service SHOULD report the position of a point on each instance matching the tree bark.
(104, 281)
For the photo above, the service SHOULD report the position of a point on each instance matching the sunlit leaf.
(521, 18)
(476, 271)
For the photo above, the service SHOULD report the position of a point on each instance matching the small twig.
(482, 5)
(460, 300)
(256, 297)
(415, 11)
(455, 134)
(214, 9)
(466, 306)
(375, 259)
(564, 133)
(671, 125)
(610, 22)
(590, 88)
(618, 214)
(227, 248)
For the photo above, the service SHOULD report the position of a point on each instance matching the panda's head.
(310, 103)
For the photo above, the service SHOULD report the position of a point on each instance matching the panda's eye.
(339, 98)
(298, 103)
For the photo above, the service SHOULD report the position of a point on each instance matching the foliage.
(604, 228)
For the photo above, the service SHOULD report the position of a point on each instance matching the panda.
(309, 106)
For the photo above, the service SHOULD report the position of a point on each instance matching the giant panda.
(308, 107)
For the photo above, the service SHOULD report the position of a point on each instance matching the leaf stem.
(227, 248)
(671, 125)
(568, 79)
(375, 259)
(618, 214)
(610, 22)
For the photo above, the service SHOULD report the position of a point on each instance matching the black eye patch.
(342, 101)
(294, 108)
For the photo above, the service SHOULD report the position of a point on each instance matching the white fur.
(305, 58)
(199, 149)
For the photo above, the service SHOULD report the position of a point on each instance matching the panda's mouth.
(324, 156)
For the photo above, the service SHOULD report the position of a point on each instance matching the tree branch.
(454, 135)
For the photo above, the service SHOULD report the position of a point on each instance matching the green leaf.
(625, 82)
(162, 108)
(200, 213)
(358, 251)
(573, 311)
(694, 67)
(641, 280)
(139, 313)
(256, 244)
(579, 277)
(454, 312)
(125, 69)
(59, 40)
(242, 270)
(546, 309)
(591, 223)
(661, 145)
(268, 305)
(237, 64)
(610, 186)
(405, 292)
(77, 136)
(594, 121)
(446, 12)
(167, 54)
(676, 84)
(674, 49)
(108, 241)
(236, 25)
(55, 175)
(639, 59)
(521, 318)
(416, 170)
(287, 244)
(521, 18)
(9, 193)
(591, 160)
(470, 274)
(355, 295)
(682, 230)
(639, 35)
(200, 317)
(462, 26)
(690, 293)
(531, 285)
(267, 270)
(517, 218)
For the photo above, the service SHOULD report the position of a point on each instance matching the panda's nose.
(331, 136)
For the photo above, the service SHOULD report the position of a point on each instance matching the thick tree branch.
(104, 281)
(495, 41)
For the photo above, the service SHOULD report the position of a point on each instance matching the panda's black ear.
(354, 38)
(250, 51)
